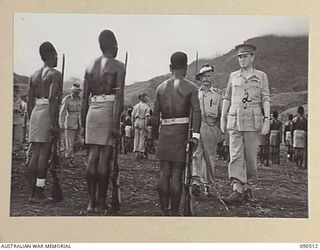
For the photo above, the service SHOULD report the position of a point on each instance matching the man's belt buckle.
(172, 119)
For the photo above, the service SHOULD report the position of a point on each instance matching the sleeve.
(228, 92)
(265, 89)
(63, 112)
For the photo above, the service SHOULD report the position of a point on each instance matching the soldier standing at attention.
(140, 117)
(246, 93)
(104, 81)
(43, 103)
(288, 138)
(210, 99)
(275, 138)
(173, 100)
(70, 120)
(299, 130)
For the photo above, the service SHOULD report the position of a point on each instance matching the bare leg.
(103, 174)
(91, 175)
(164, 183)
(33, 166)
(176, 185)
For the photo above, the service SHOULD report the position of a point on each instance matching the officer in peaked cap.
(246, 93)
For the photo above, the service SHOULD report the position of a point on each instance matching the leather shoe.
(196, 190)
(234, 198)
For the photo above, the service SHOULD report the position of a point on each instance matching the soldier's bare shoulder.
(161, 87)
(36, 74)
(118, 63)
(191, 85)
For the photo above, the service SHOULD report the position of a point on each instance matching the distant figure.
(70, 121)
(100, 118)
(24, 113)
(263, 154)
(18, 130)
(210, 99)
(275, 138)
(246, 93)
(150, 147)
(140, 117)
(43, 104)
(300, 129)
(173, 100)
(288, 137)
(128, 132)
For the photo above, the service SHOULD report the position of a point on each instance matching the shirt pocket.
(254, 89)
(257, 118)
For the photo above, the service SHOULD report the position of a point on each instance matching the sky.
(149, 39)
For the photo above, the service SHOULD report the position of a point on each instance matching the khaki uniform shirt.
(247, 97)
(141, 110)
(70, 112)
(210, 105)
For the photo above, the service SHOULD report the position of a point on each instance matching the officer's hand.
(223, 124)
(193, 143)
(265, 127)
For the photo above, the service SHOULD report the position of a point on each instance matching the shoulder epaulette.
(219, 91)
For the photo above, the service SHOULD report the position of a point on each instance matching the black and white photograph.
(160, 115)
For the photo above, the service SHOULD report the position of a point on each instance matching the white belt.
(102, 98)
(42, 101)
(170, 121)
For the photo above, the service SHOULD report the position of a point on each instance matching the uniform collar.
(74, 98)
(254, 73)
(210, 89)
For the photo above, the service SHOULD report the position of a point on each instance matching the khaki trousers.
(139, 135)
(205, 154)
(243, 156)
(71, 136)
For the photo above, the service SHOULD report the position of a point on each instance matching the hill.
(284, 59)
(19, 79)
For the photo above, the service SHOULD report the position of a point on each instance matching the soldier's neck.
(206, 88)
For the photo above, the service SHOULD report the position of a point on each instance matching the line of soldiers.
(178, 102)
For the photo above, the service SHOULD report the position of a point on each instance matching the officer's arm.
(156, 116)
(196, 116)
(63, 112)
(31, 99)
(119, 99)
(226, 100)
(54, 97)
(265, 96)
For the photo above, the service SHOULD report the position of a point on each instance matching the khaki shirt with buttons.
(210, 105)
(247, 96)
(70, 112)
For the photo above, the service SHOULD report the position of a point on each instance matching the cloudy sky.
(149, 39)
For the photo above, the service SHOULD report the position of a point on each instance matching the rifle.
(187, 173)
(54, 161)
(116, 196)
